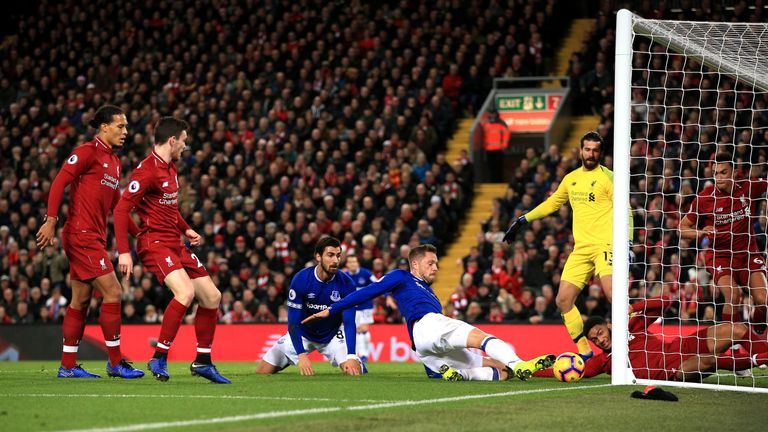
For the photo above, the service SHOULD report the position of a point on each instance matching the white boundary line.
(162, 396)
(274, 414)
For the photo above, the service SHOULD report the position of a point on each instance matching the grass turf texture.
(392, 397)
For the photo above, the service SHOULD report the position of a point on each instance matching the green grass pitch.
(391, 397)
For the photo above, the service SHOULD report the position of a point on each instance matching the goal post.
(682, 92)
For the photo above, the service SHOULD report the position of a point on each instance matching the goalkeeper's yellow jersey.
(590, 194)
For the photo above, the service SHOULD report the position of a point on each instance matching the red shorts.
(161, 260)
(678, 350)
(738, 266)
(87, 254)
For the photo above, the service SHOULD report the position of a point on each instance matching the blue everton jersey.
(362, 278)
(309, 295)
(413, 296)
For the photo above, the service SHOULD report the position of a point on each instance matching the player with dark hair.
(690, 357)
(154, 191)
(722, 213)
(92, 172)
(317, 288)
(440, 342)
(589, 190)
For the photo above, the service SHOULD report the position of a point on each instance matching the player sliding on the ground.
(316, 288)
(440, 342)
(154, 191)
(691, 357)
(93, 173)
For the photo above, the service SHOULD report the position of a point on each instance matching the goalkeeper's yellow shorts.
(587, 260)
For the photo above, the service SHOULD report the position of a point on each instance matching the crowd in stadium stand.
(321, 118)
(306, 119)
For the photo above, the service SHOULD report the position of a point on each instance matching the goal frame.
(626, 24)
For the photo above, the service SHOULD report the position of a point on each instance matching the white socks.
(501, 351)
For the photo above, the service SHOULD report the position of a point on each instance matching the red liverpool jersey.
(729, 214)
(93, 171)
(154, 191)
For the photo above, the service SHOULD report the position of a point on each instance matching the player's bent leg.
(266, 368)
(607, 283)
(181, 286)
(758, 289)
(731, 295)
(696, 368)
(565, 300)
(208, 297)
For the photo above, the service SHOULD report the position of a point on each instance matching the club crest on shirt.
(335, 296)
(103, 264)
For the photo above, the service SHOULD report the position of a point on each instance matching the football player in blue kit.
(440, 342)
(314, 289)
(361, 276)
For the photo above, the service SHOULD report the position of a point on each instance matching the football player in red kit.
(92, 172)
(153, 191)
(722, 212)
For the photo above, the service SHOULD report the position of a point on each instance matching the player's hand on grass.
(46, 232)
(305, 365)
(125, 265)
(513, 229)
(352, 366)
(319, 315)
(194, 238)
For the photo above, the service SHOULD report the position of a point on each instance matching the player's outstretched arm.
(320, 315)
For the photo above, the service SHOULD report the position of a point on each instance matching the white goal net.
(691, 146)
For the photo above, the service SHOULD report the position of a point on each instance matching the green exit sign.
(522, 103)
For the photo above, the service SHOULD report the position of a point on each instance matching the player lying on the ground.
(690, 357)
(440, 342)
(317, 288)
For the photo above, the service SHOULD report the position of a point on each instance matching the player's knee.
(564, 303)
(185, 297)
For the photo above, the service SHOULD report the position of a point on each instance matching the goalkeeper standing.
(589, 189)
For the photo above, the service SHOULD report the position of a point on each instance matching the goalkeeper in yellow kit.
(589, 190)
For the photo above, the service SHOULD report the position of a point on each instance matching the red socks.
(205, 327)
(172, 318)
(110, 327)
(72, 330)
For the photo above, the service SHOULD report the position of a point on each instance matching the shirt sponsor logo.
(317, 306)
(110, 181)
(169, 198)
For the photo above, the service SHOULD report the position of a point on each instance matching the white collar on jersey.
(314, 272)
